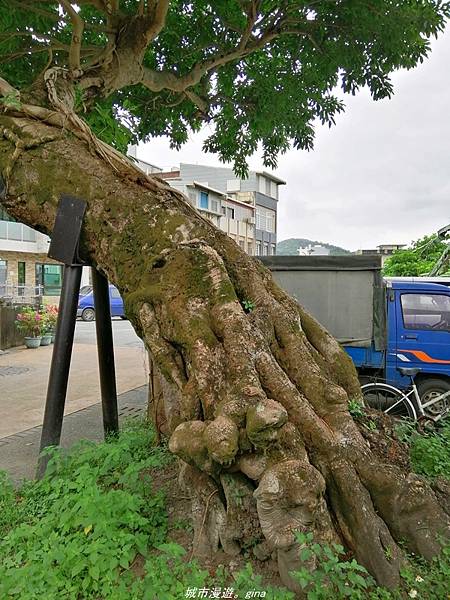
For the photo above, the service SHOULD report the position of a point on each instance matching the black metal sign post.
(105, 350)
(60, 365)
(64, 248)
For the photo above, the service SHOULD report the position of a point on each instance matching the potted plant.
(29, 323)
(51, 318)
(46, 338)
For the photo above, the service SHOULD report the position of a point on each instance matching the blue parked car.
(86, 306)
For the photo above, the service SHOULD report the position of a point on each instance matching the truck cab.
(418, 330)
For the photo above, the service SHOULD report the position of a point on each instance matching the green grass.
(81, 531)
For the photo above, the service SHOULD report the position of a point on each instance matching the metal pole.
(60, 365)
(105, 348)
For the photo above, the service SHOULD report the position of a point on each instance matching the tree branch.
(77, 34)
(202, 104)
(157, 11)
(34, 9)
(159, 80)
(98, 4)
(38, 49)
(6, 89)
(252, 15)
(248, 43)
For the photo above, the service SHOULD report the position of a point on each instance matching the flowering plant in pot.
(50, 318)
(29, 323)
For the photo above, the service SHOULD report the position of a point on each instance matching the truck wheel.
(429, 389)
(88, 314)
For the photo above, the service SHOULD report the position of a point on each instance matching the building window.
(261, 184)
(250, 248)
(204, 200)
(21, 278)
(242, 244)
(268, 187)
(260, 221)
(230, 213)
(274, 190)
(3, 275)
(266, 249)
(265, 219)
(258, 248)
(273, 249)
(49, 279)
(214, 206)
(224, 210)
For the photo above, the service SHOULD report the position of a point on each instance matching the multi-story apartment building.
(246, 209)
(233, 216)
(25, 269)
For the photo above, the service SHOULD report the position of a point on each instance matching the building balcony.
(18, 232)
(17, 237)
(236, 227)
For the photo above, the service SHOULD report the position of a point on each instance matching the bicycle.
(408, 404)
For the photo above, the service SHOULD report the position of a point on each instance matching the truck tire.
(430, 389)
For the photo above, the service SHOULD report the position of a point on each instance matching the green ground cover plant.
(430, 452)
(94, 527)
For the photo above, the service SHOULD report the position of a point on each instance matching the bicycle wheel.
(389, 400)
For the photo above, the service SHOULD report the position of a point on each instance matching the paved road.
(24, 376)
(123, 333)
(19, 452)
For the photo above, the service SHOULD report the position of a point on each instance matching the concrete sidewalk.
(24, 377)
(19, 452)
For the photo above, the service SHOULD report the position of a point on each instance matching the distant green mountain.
(289, 247)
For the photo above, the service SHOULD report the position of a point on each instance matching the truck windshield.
(426, 311)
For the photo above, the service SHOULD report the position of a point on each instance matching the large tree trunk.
(255, 404)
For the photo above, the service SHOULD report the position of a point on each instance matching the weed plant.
(94, 528)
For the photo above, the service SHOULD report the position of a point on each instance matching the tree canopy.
(419, 259)
(261, 72)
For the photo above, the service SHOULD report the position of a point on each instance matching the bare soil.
(180, 531)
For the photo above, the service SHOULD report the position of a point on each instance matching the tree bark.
(255, 403)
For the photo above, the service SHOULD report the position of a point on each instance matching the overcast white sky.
(381, 175)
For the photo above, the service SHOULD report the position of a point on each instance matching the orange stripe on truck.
(423, 356)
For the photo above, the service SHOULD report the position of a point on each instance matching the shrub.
(76, 532)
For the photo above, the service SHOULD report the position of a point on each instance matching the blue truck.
(384, 324)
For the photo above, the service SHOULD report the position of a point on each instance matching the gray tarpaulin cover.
(344, 293)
